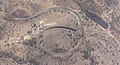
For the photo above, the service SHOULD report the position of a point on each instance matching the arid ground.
(59, 32)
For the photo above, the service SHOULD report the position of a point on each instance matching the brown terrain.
(59, 32)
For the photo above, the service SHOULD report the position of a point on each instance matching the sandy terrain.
(59, 32)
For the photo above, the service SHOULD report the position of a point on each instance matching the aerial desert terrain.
(59, 32)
